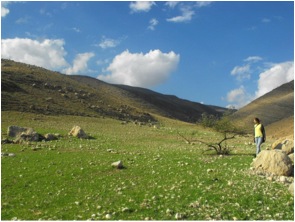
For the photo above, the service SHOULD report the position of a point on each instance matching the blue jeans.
(258, 141)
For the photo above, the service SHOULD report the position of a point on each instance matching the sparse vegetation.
(159, 177)
(163, 178)
(224, 127)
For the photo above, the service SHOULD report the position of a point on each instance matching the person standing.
(259, 134)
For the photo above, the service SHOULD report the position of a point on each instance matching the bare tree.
(223, 127)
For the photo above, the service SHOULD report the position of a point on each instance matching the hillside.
(274, 107)
(33, 89)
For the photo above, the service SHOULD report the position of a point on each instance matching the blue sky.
(217, 53)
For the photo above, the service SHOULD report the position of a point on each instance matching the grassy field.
(164, 178)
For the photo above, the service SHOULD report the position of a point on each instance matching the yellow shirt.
(258, 131)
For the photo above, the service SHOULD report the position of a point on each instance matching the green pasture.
(164, 178)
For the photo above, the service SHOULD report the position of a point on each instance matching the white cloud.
(238, 97)
(143, 70)
(108, 43)
(200, 4)
(266, 20)
(275, 76)
(75, 29)
(48, 53)
(270, 79)
(4, 9)
(241, 72)
(153, 23)
(187, 15)
(23, 20)
(253, 59)
(79, 63)
(141, 6)
(172, 4)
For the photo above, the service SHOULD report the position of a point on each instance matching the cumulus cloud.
(200, 4)
(108, 43)
(141, 6)
(275, 76)
(172, 4)
(241, 72)
(238, 97)
(79, 63)
(48, 53)
(143, 70)
(153, 23)
(186, 15)
(253, 59)
(4, 9)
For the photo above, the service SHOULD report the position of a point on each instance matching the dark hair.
(257, 120)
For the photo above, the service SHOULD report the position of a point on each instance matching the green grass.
(72, 179)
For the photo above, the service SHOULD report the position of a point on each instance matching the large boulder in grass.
(77, 131)
(291, 156)
(274, 162)
(22, 133)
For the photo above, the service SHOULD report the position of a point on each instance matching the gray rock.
(22, 134)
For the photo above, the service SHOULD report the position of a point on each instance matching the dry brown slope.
(29, 88)
(282, 128)
(272, 107)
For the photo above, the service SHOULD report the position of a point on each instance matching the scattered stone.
(179, 216)
(283, 179)
(108, 216)
(273, 161)
(209, 170)
(77, 131)
(8, 154)
(118, 164)
(291, 188)
(169, 212)
(195, 204)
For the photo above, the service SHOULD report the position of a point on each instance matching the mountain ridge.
(30, 88)
(273, 107)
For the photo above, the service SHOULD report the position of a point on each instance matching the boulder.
(14, 131)
(274, 162)
(291, 156)
(118, 164)
(284, 144)
(288, 146)
(77, 131)
(22, 133)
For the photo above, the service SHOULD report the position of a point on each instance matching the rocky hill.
(275, 109)
(29, 88)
